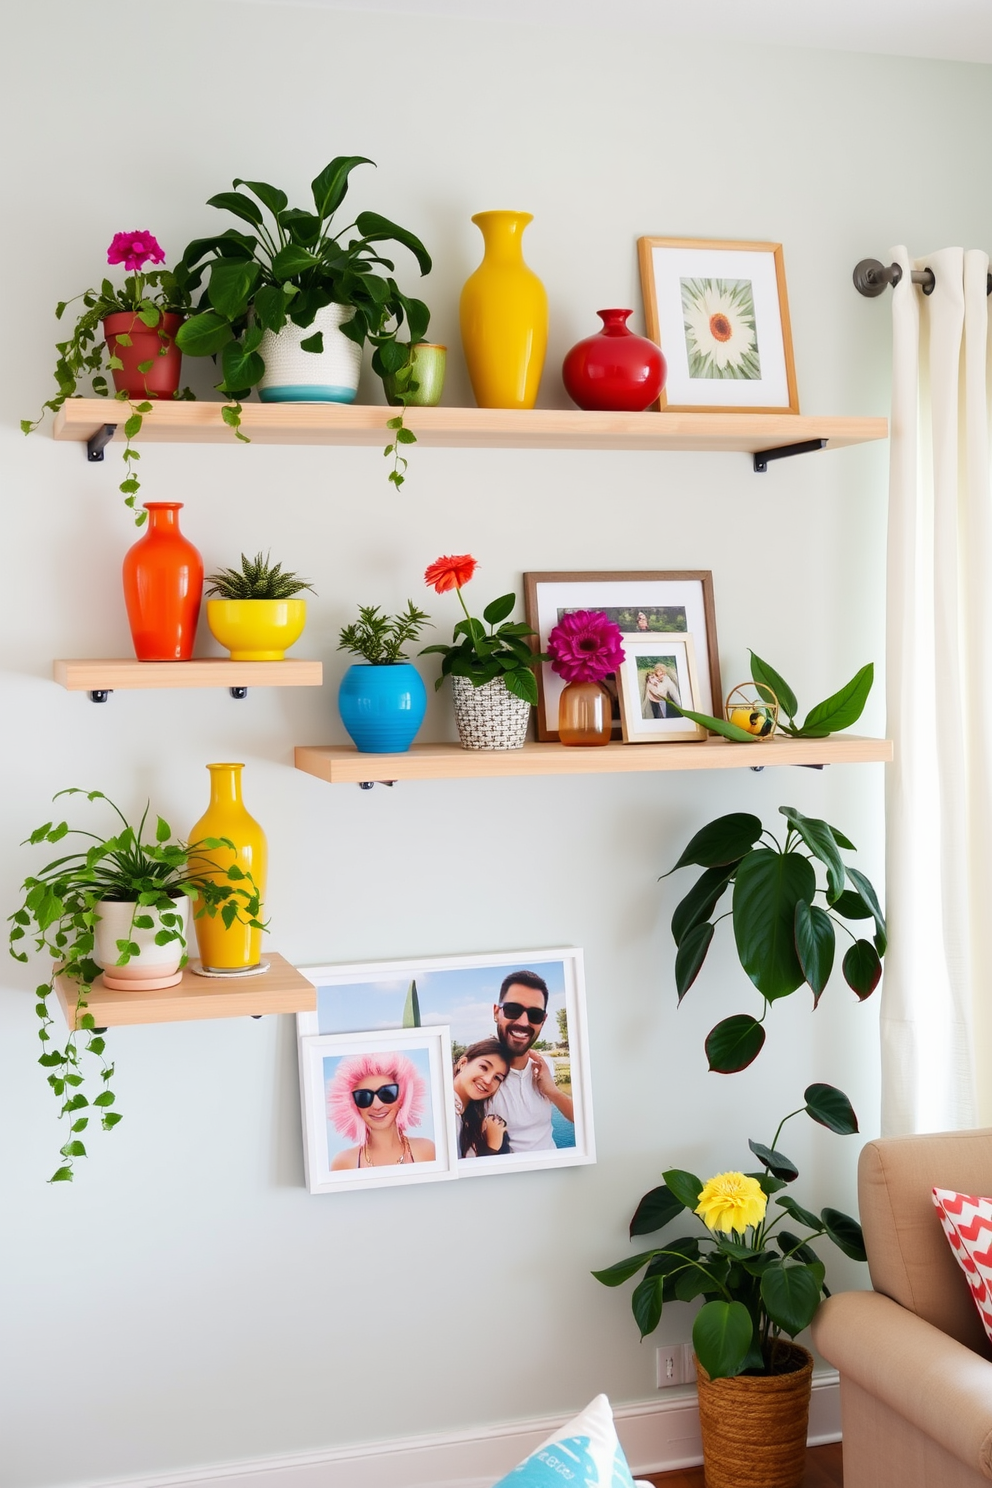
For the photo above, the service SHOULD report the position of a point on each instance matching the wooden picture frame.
(655, 597)
(720, 313)
(648, 719)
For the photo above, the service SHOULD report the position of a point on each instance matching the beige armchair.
(915, 1363)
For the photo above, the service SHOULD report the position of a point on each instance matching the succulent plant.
(258, 579)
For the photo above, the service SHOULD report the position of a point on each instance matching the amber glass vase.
(584, 714)
(234, 950)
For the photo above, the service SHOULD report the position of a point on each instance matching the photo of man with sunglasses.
(527, 1095)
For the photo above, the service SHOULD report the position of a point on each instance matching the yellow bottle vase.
(504, 317)
(238, 948)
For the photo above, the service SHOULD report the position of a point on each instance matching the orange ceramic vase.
(238, 949)
(163, 585)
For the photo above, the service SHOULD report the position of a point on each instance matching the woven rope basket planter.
(489, 717)
(754, 1426)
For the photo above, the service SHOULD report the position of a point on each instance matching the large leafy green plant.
(784, 938)
(60, 910)
(757, 1280)
(289, 265)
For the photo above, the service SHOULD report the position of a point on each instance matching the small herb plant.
(380, 638)
(836, 712)
(754, 1287)
(259, 579)
(288, 266)
(60, 911)
(784, 939)
(476, 653)
(84, 355)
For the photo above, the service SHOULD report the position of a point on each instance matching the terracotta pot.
(154, 344)
(754, 1425)
(163, 586)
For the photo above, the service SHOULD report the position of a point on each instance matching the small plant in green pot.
(256, 614)
(129, 331)
(382, 699)
(784, 938)
(119, 906)
(491, 671)
(289, 304)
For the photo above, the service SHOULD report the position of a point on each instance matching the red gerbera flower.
(134, 250)
(450, 573)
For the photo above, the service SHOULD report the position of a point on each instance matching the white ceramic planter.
(296, 376)
(155, 966)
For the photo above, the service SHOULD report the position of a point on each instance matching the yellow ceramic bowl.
(256, 629)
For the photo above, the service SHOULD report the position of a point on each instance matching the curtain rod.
(872, 278)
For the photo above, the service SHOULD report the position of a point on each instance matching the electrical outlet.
(675, 1365)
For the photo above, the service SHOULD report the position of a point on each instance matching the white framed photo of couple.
(377, 1108)
(657, 679)
(518, 1088)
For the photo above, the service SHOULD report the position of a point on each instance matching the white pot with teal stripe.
(293, 375)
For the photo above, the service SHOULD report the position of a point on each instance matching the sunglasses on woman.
(386, 1093)
(513, 1010)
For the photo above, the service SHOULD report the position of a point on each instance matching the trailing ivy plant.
(784, 938)
(839, 711)
(289, 265)
(60, 909)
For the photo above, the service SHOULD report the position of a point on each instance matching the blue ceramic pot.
(382, 707)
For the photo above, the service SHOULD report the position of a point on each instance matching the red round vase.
(163, 585)
(614, 371)
(161, 379)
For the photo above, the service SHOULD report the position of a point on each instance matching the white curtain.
(937, 987)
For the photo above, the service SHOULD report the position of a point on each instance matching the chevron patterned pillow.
(967, 1223)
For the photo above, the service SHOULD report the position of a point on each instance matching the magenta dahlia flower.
(134, 250)
(585, 646)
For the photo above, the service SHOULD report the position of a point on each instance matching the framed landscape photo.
(643, 605)
(720, 313)
(519, 1095)
(658, 673)
(377, 1108)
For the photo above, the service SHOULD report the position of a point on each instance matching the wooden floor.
(823, 1470)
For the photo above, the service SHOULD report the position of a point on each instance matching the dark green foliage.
(259, 579)
(380, 638)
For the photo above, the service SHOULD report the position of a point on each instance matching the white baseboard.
(656, 1435)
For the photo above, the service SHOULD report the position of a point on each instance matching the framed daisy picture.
(720, 313)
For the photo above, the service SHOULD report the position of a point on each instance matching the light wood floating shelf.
(211, 671)
(342, 764)
(470, 428)
(281, 989)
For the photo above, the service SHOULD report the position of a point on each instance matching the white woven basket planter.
(296, 376)
(489, 717)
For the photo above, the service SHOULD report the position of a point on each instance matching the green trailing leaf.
(721, 842)
(767, 887)
(841, 709)
(685, 1187)
(864, 888)
(820, 839)
(690, 956)
(777, 1163)
(804, 1216)
(701, 899)
(815, 945)
(791, 1294)
(845, 1232)
(831, 1108)
(851, 906)
(717, 725)
(623, 1270)
(734, 1044)
(721, 1336)
(647, 1302)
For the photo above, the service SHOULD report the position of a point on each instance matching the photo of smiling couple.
(505, 1090)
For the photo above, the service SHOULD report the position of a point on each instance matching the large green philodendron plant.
(784, 938)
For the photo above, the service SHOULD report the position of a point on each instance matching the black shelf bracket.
(98, 440)
(368, 784)
(238, 692)
(806, 447)
(99, 694)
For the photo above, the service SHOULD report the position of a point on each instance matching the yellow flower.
(731, 1201)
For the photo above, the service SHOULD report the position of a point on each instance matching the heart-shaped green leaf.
(655, 1210)
(791, 1294)
(862, 968)
(701, 899)
(831, 1108)
(685, 1186)
(819, 838)
(690, 956)
(722, 841)
(804, 1216)
(734, 1044)
(776, 1162)
(721, 1336)
(815, 945)
(845, 1232)
(767, 888)
(646, 1303)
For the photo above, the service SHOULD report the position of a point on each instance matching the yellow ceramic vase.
(504, 317)
(239, 948)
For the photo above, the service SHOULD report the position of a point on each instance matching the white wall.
(185, 1301)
